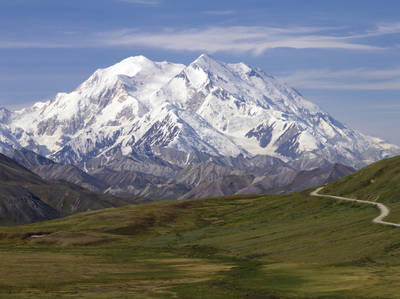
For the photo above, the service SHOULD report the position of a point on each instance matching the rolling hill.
(379, 182)
(241, 246)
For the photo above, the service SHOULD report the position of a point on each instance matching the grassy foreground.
(379, 181)
(232, 247)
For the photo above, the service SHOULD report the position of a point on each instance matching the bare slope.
(25, 197)
(285, 182)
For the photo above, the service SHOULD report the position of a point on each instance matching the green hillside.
(232, 247)
(379, 181)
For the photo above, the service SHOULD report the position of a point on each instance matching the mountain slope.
(285, 182)
(318, 176)
(17, 203)
(116, 182)
(7, 140)
(226, 185)
(138, 107)
(125, 183)
(49, 170)
(25, 197)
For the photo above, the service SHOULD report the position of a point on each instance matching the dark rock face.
(160, 134)
(287, 143)
(263, 133)
(18, 205)
(28, 159)
(25, 197)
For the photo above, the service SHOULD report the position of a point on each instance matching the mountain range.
(26, 197)
(288, 182)
(171, 127)
(194, 181)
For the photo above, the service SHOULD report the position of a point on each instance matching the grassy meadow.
(379, 181)
(275, 246)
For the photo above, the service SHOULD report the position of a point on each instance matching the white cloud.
(350, 79)
(240, 39)
(386, 28)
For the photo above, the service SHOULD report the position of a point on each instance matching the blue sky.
(342, 55)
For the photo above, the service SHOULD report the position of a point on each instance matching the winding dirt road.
(384, 209)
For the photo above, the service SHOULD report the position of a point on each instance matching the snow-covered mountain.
(139, 108)
(7, 139)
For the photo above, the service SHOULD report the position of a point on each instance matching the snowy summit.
(140, 106)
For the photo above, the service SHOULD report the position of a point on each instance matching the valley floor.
(277, 246)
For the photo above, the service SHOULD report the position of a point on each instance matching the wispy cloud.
(386, 28)
(240, 39)
(350, 79)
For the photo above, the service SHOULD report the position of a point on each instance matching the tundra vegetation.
(227, 247)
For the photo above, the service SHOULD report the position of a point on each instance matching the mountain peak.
(136, 59)
(132, 71)
(130, 66)
(205, 61)
(205, 56)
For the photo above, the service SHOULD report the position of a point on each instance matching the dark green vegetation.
(379, 182)
(229, 247)
(25, 197)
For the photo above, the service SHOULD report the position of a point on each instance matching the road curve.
(384, 209)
